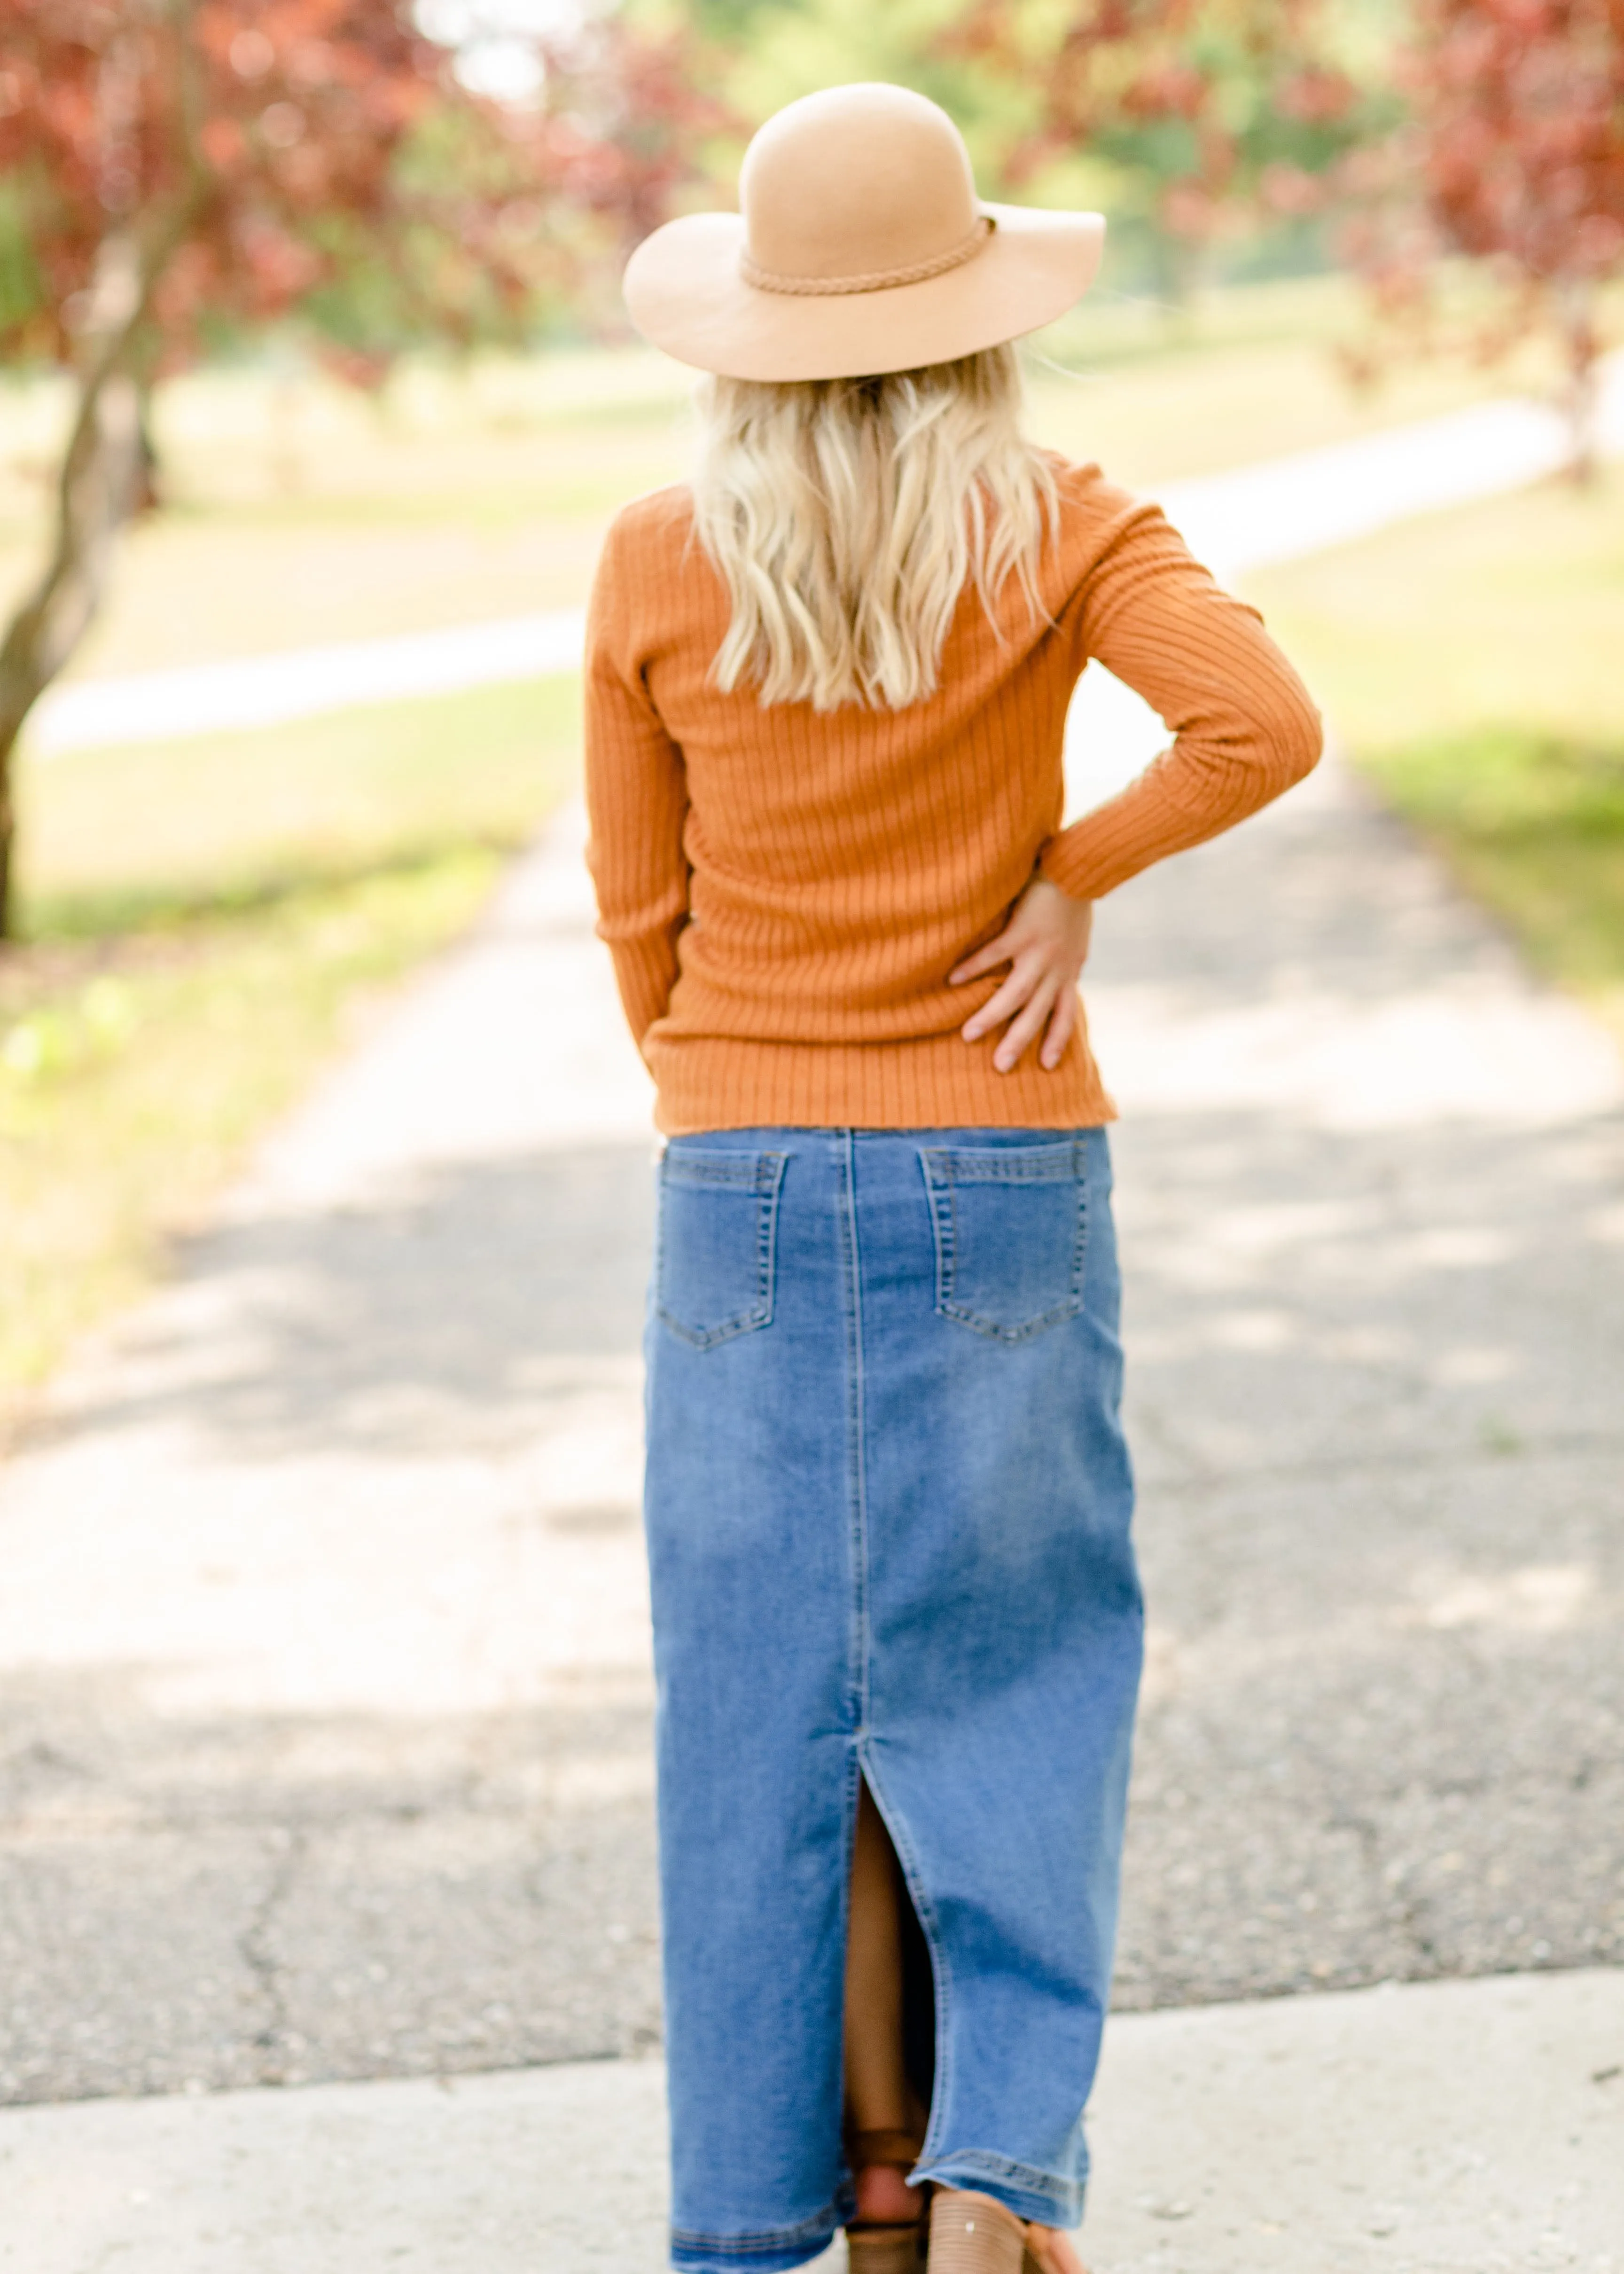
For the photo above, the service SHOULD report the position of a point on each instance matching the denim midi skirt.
(888, 1510)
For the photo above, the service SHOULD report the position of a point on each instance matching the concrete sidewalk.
(1451, 2129)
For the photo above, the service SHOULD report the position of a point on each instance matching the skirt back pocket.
(718, 1235)
(1011, 1228)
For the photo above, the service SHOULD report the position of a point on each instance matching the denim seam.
(1064, 2196)
(848, 1855)
(857, 1467)
(740, 1172)
(848, 1852)
(942, 1976)
(1002, 1168)
(702, 2258)
(1006, 2167)
(821, 2222)
(769, 1185)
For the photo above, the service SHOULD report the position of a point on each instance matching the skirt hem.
(772, 2252)
(1030, 2193)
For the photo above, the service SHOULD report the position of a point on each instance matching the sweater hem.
(941, 1082)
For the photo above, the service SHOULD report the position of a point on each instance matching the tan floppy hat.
(861, 248)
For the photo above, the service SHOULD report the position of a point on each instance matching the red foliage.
(215, 135)
(1315, 94)
(246, 147)
(1502, 139)
(1227, 72)
(1512, 154)
(625, 135)
(1518, 134)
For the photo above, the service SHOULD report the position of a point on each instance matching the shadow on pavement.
(325, 1656)
(435, 1317)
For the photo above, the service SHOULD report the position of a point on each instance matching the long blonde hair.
(846, 517)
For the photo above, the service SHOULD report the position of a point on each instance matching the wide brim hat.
(861, 248)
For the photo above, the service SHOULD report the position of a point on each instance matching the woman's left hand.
(1045, 944)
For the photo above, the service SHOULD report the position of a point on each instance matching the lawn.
(1469, 662)
(206, 919)
(150, 833)
(134, 1070)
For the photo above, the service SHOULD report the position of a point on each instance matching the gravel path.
(323, 1636)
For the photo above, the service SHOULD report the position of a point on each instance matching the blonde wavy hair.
(846, 516)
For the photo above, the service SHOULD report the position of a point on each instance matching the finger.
(998, 951)
(1016, 989)
(1060, 1027)
(1026, 1028)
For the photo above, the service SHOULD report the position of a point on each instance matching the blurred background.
(309, 342)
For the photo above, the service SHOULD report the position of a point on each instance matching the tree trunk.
(101, 483)
(1580, 352)
(149, 472)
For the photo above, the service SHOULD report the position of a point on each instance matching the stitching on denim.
(940, 1231)
(941, 1227)
(1032, 1164)
(848, 1850)
(695, 2258)
(758, 1174)
(942, 1172)
(821, 2225)
(740, 1170)
(750, 2253)
(856, 1421)
(770, 1185)
(1005, 2167)
(1065, 2196)
(942, 1973)
(776, 2238)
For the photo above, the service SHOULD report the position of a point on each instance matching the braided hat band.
(879, 279)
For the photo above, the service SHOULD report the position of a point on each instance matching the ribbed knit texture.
(971, 2233)
(784, 891)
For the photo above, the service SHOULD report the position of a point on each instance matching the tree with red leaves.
(1211, 113)
(1512, 155)
(1488, 129)
(177, 168)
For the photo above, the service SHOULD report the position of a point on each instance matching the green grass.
(203, 919)
(117, 837)
(134, 1073)
(1534, 825)
(1470, 664)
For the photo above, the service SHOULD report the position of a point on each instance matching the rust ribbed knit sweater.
(784, 891)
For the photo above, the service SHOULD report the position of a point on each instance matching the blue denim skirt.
(888, 1510)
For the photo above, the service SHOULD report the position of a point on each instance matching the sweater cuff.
(1114, 841)
(644, 969)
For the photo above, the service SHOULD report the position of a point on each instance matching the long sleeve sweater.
(784, 891)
